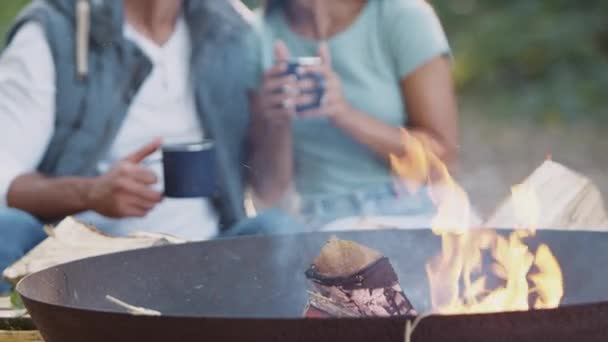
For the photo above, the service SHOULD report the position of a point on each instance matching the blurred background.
(532, 78)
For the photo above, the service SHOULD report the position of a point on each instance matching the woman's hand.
(275, 99)
(333, 104)
(280, 94)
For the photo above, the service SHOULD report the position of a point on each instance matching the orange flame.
(457, 278)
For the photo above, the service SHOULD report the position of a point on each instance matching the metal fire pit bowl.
(254, 289)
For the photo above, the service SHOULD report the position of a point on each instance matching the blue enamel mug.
(318, 92)
(190, 170)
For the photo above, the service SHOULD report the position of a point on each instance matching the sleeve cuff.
(422, 59)
(417, 38)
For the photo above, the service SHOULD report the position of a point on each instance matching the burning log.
(351, 280)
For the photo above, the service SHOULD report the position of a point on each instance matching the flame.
(414, 167)
(548, 281)
(457, 277)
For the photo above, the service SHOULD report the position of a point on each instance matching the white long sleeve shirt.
(164, 107)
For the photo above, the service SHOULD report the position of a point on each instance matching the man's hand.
(125, 190)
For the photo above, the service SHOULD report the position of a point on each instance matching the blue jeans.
(19, 232)
(269, 222)
(382, 200)
(313, 214)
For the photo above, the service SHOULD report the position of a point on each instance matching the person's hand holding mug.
(275, 99)
(290, 87)
(333, 104)
(125, 190)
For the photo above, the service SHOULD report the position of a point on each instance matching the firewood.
(351, 280)
(72, 240)
(567, 201)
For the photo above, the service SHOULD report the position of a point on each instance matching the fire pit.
(254, 289)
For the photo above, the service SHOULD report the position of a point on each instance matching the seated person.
(80, 136)
(387, 74)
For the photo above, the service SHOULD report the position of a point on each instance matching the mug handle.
(319, 91)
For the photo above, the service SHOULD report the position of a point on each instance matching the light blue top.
(389, 40)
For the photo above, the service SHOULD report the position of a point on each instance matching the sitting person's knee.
(19, 224)
(19, 232)
(10, 215)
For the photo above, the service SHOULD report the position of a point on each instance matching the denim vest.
(90, 111)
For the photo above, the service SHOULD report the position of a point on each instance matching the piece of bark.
(132, 309)
(72, 240)
(351, 280)
(566, 199)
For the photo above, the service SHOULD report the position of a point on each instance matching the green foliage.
(546, 59)
(541, 58)
(252, 3)
(16, 301)
(8, 9)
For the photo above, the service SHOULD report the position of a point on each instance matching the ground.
(498, 153)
